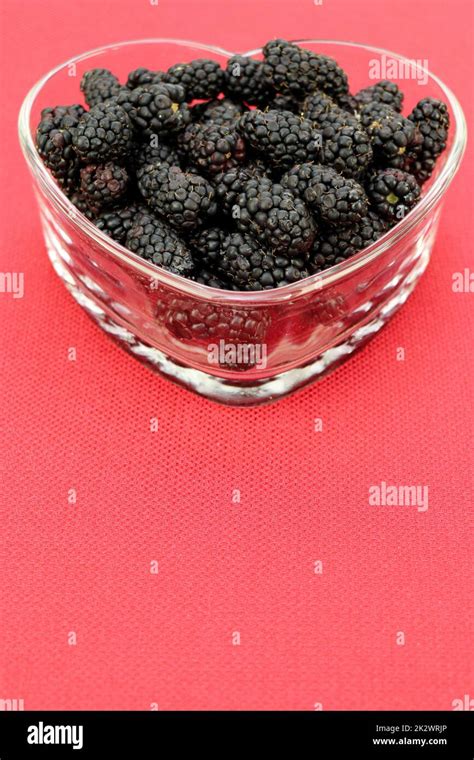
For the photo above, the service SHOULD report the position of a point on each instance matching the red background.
(167, 496)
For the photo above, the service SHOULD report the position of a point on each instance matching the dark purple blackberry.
(213, 148)
(227, 185)
(219, 111)
(290, 68)
(185, 200)
(155, 151)
(103, 185)
(347, 102)
(155, 241)
(334, 199)
(247, 265)
(99, 85)
(275, 217)
(104, 133)
(280, 137)
(206, 246)
(382, 92)
(155, 109)
(285, 103)
(141, 76)
(393, 193)
(77, 198)
(244, 80)
(392, 137)
(374, 112)
(349, 152)
(202, 79)
(334, 245)
(431, 120)
(54, 138)
(326, 114)
(118, 221)
(206, 277)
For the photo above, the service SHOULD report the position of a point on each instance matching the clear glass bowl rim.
(277, 295)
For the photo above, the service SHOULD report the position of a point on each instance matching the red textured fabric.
(225, 566)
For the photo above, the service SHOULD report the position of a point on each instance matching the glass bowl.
(241, 348)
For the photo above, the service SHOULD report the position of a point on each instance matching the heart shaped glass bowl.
(241, 348)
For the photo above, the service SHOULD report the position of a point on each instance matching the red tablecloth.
(224, 567)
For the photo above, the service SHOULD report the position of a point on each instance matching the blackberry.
(202, 79)
(347, 102)
(54, 143)
(185, 200)
(392, 136)
(334, 199)
(349, 151)
(156, 151)
(248, 266)
(219, 111)
(213, 148)
(155, 108)
(244, 80)
(326, 114)
(374, 112)
(284, 103)
(206, 246)
(385, 92)
(117, 222)
(278, 219)
(393, 193)
(141, 76)
(155, 241)
(290, 68)
(206, 277)
(99, 85)
(103, 184)
(78, 199)
(281, 137)
(227, 185)
(431, 119)
(334, 245)
(103, 133)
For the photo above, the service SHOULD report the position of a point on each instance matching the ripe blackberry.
(99, 85)
(77, 198)
(227, 185)
(103, 184)
(347, 102)
(118, 221)
(334, 199)
(334, 245)
(281, 137)
(326, 114)
(202, 79)
(385, 92)
(185, 200)
(54, 143)
(290, 68)
(103, 133)
(155, 241)
(247, 265)
(392, 137)
(431, 120)
(278, 219)
(393, 193)
(206, 246)
(244, 80)
(218, 111)
(153, 152)
(155, 109)
(141, 76)
(349, 151)
(206, 277)
(284, 103)
(213, 148)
